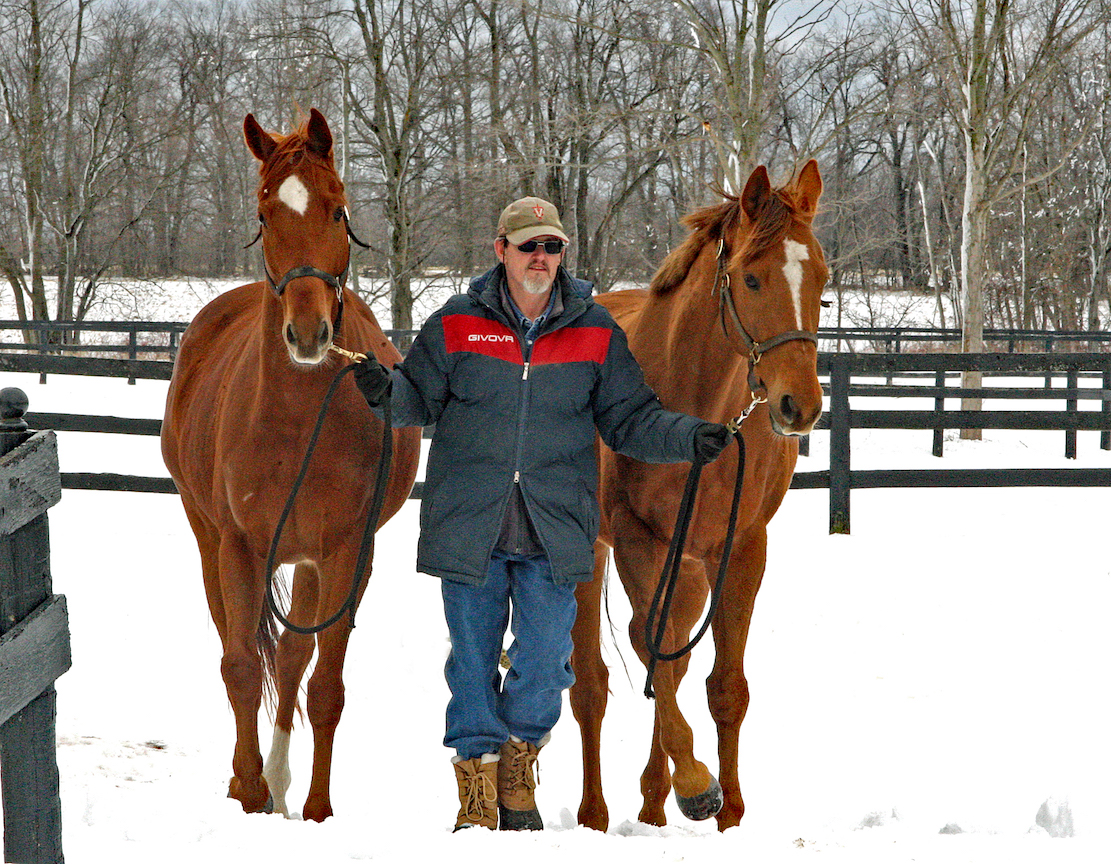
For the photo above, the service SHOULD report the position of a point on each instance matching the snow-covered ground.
(942, 668)
(921, 688)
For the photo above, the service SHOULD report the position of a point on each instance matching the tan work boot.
(517, 787)
(478, 793)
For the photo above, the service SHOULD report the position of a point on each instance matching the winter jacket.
(502, 421)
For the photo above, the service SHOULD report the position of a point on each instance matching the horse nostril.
(290, 336)
(325, 333)
(788, 409)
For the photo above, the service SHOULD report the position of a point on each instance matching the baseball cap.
(530, 217)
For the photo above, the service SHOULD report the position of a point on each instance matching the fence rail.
(848, 377)
(50, 338)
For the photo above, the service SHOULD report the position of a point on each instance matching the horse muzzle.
(790, 417)
(308, 345)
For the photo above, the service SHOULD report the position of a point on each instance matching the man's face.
(531, 272)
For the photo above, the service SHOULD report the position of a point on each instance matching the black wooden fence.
(848, 376)
(841, 418)
(34, 639)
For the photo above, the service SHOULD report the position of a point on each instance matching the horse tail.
(266, 641)
(609, 624)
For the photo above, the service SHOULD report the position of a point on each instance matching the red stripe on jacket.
(493, 339)
(572, 345)
(481, 336)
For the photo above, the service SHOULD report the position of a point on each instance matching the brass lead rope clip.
(351, 355)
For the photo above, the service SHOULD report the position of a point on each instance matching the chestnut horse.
(729, 318)
(249, 382)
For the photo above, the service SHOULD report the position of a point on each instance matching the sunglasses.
(552, 247)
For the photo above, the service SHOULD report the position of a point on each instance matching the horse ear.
(258, 140)
(319, 135)
(808, 189)
(756, 192)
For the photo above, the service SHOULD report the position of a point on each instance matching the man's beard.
(536, 283)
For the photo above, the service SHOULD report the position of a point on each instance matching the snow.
(930, 688)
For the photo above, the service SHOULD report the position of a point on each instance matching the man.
(518, 375)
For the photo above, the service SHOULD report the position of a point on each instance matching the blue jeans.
(485, 710)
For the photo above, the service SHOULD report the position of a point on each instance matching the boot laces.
(520, 773)
(478, 795)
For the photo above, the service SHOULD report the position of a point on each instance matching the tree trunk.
(973, 275)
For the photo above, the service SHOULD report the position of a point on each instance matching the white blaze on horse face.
(294, 195)
(796, 253)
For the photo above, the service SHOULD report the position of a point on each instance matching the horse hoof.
(700, 807)
(268, 807)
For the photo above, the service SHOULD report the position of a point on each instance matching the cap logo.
(538, 210)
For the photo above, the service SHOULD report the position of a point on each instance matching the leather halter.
(756, 350)
(334, 282)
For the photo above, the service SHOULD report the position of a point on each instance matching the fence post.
(939, 409)
(1072, 382)
(132, 348)
(1105, 433)
(34, 639)
(840, 480)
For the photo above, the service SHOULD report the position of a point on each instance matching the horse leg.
(208, 544)
(701, 799)
(639, 558)
(241, 668)
(590, 692)
(726, 687)
(294, 653)
(325, 695)
(655, 780)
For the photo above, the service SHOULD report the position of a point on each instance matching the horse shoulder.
(212, 344)
(221, 321)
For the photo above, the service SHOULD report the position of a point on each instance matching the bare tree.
(998, 61)
(741, 41)
(390, 88)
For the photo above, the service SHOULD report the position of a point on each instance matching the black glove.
(709, 440)
(373, 381)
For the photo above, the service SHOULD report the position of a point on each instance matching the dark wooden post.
(939, 409)
(1105, 433)
(132, 348)
(34, 639)
(1072, 382)
(840, 480)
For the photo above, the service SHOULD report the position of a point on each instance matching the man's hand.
(709, 440)
(373, 381)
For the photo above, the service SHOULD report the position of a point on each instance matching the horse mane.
(716, 221)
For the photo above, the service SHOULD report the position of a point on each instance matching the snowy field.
(920, 688)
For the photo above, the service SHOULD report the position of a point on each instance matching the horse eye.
(752, 282)
(338, 215)
(261, 219)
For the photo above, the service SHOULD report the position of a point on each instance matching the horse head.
(302, 212)
(771, 271)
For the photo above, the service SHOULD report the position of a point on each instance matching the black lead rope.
(665, 588)
(367, 546)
